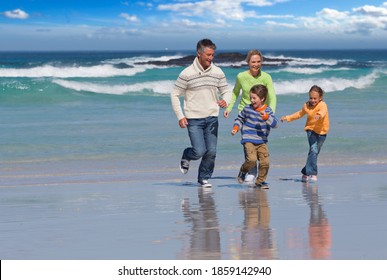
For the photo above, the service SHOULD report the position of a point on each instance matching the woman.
(244, 81)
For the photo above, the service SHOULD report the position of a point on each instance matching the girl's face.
(314, 98)
(255, 63)
(256, 102)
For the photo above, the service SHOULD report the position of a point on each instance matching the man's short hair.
(203, 44)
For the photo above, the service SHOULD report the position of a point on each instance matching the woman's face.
(255, 63)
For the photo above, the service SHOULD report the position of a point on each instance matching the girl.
(316, 127)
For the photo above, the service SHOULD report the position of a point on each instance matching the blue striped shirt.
(253, 128)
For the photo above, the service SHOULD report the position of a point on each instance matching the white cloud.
(229, 9)
(194, 24)
(130, 18)
(372, 10)
(279, 24)
(262, 3)
(186, 9)
(112, 33)
(16, 14)
(361, 20)
(333, 15)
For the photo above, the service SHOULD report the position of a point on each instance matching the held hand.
(222, 104)
(183, 123)
(226, 114)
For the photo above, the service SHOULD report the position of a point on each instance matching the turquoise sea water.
(93, 112)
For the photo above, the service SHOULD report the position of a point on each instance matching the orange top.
(320, 125)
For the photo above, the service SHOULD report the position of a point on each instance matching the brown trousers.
(254, 152)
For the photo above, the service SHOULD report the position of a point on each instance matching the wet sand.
(164, 215)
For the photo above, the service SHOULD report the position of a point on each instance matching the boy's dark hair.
(259, 90)
(203, 44)
(317, 89)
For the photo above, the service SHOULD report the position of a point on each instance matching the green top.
(244, 82)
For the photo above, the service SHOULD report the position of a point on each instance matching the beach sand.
(121, 213)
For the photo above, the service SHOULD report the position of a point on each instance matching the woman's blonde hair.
(251, 53)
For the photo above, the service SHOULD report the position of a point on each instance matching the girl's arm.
(269, 118)
(295, 116)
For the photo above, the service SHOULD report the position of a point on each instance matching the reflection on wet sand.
(204, 236)
(319, 230)
(257, 237)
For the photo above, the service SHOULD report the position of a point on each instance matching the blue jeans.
(315, 143)
(203, 134)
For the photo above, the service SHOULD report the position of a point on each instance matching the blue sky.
(179, 24)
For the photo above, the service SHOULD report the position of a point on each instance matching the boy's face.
(256, 102)
(314, 98)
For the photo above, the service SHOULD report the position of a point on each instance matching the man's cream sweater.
(201, 90)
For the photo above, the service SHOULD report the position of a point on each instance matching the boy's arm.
(270, 118)
(238, 122)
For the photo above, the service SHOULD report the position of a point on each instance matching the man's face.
(206, 57)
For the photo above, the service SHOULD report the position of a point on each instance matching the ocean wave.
(141, 59)
(327, 84)
(156, 87)
(164, 87)
(97, 71)
(231, 64)
(297, 61)
(309, 70)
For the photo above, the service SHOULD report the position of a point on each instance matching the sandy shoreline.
(121, 214)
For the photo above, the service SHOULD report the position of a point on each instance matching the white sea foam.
(231, 64)
(141, 59)
(156, 87)
(296, 86)
(328, 84)
(294, 61)
(105, 70)
(308, 70)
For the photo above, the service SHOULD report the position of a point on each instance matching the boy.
(255, 122)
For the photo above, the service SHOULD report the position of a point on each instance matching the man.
(201, 84)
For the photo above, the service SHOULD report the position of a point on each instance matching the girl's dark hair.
(259, 90)
(317, 89)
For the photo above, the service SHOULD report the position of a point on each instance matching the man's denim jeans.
(315, 143)
(203, 134)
